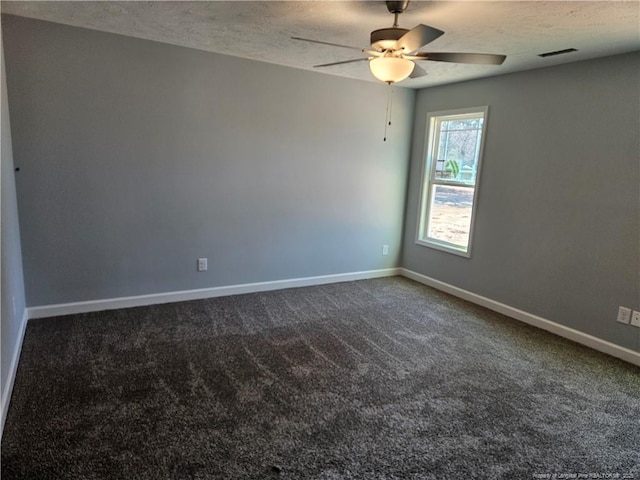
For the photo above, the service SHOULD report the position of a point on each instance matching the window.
(449, 182)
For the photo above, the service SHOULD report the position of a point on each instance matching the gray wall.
(138, 157)
(557, 229)
(12, 285)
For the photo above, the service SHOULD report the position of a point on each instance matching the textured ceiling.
(261, 30)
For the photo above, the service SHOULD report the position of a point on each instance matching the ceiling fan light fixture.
(391, 69)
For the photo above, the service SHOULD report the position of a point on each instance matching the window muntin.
(449, 184)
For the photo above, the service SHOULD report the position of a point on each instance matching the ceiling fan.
(394, 50)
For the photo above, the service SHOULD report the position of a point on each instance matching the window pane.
(462, 124)
(457, 156)
(450, 215)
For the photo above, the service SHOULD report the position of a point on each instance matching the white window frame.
(428, 179)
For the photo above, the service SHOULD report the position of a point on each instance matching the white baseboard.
(185, 295)
(560, 330)
(7, 388)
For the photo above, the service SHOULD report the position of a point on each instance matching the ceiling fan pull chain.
(387, 119)
(390, 102)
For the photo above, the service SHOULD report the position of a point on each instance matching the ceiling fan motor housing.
(386, 38)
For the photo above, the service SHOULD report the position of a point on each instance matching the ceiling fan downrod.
(385, 39)
(397, 7)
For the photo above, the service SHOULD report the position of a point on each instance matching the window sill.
(445, 247)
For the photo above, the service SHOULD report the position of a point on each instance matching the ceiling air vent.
(559, 52)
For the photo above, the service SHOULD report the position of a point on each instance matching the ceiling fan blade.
(476, 58)
(326, 43)
(374, 53)
(418, 71)
(340, 63)
(418, 37)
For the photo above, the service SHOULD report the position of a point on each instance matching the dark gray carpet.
(375, 379)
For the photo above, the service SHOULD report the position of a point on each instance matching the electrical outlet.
(635, 319)
(385, 249)
(202, 264)
(624, 315)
